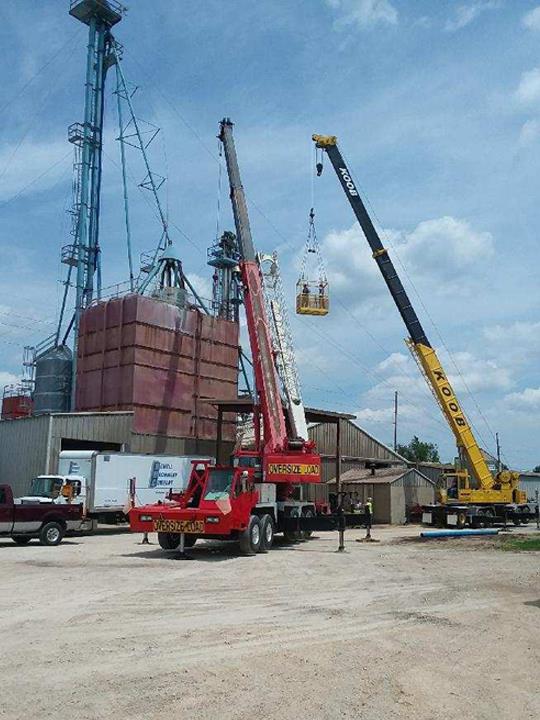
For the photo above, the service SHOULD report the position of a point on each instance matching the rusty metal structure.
(159, 360)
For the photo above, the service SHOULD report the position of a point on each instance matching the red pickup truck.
(33, 517)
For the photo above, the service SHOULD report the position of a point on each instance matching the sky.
(437, 110)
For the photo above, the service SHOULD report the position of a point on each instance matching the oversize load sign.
(293, 469)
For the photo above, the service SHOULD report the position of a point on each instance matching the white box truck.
(102, 481)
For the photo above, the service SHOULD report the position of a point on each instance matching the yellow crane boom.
(499, 488)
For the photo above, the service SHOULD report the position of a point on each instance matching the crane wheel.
(250, 539)
(168, 541)
(461, 520)
(267, 534)
(307, 512)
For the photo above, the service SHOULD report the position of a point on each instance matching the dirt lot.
(102, 627)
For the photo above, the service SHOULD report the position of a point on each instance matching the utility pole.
(395, 419)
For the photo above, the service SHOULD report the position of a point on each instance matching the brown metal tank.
(162, 361)
(16, 405)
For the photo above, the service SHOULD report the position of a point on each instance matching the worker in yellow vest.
(368, 510)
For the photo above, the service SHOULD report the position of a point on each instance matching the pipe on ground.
(458, 533)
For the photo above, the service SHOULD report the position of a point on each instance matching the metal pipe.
(458, 533)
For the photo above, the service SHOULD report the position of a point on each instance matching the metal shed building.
(359, 449)
(530, 483)
(31, 446)
(394, 491)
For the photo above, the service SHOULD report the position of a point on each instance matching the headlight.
(145, 518)
(212, 519)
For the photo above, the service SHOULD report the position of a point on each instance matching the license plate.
(426, 518)
(194, 527)
(451, 519)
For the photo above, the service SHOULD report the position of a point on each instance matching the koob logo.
(348, 181)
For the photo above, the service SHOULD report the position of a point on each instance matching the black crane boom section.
(380, 253)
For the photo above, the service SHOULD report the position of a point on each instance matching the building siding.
(355, 443)
(530, 483)
(23, 451)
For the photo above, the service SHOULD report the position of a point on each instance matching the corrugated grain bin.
(52, 391)
(159, 360)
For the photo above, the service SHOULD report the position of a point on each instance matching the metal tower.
(84, 254)
(226, 293)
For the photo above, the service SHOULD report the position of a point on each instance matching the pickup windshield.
(219, 484)
(46, 487)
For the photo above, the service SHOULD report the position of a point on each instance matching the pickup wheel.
(168, 541)
(267, 534)
(51, 533)
(250, 539)
(21, 539)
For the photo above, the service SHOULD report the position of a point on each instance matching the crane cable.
(388, 241)
(251, 201)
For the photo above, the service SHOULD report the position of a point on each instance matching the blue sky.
(437, 109)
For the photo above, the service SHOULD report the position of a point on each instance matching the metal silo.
(52, 391)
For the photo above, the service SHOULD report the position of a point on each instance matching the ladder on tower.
(283, 343)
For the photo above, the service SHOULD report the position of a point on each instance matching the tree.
(418, 451)
(537, 469)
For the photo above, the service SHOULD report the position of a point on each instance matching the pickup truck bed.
(31, 517)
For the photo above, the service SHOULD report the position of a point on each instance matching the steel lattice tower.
(84, 255)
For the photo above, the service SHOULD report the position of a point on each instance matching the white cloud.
(466, 14)
(385, 415)
(363, 13)
(526, 400)
(530, 130)
(531, 20)
(439, 250)
(518, 342)
(7, 378)
(202, 285)
(477, 374)
(518, 333)
(43, 163)
(528, 90)
(445, 244)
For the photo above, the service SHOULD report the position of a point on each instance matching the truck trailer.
(108, 484)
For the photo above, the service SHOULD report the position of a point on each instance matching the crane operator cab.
(312, 286)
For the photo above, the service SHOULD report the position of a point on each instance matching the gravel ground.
(102, 627)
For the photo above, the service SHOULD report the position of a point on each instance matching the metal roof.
(245, 405)
(382, 476)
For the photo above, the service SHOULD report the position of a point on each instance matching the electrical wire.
(43, 67)
(388, 241)
(52, 88)
(272, 225)
(35, 180)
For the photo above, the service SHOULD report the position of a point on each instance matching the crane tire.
(307, 512)
(168, 541)
(267, 534)
(250, 538)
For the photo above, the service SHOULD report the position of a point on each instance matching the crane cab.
(312, 297)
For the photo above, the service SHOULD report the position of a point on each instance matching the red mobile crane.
(252, 498)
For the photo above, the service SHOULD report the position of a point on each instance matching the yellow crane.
(475, 484)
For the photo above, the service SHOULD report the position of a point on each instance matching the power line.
(43, 67)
